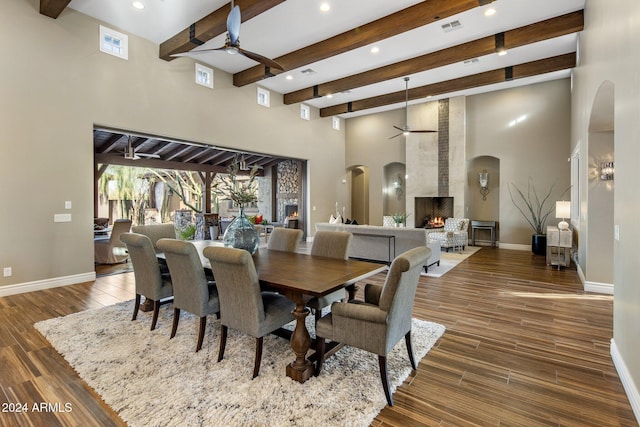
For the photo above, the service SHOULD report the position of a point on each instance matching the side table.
(559, 247)
(483, 225)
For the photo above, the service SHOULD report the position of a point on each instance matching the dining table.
(299, 277)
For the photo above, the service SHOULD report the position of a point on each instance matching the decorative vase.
(241, 234)
(539, 244)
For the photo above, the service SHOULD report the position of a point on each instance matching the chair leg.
(407, 340)
(156, 310)
(223, 341)
(256, 364)
(203, 326)
(318, 314)
(320, 348)
(382, 361)
(136, 306)
(176, 319)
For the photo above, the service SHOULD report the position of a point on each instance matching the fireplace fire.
(436, 222)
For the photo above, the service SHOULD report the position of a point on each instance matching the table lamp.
(563, 210)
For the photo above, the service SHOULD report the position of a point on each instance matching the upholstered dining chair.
(150, 282)
(111, 250)
(156, 232)
(378, 323)
(243, 306)
(284, 239)
(191, 290)
(331, 244)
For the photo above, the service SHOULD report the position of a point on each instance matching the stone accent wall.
(288, 190)
(443, 147)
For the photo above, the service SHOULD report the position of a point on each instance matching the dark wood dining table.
(299, 277)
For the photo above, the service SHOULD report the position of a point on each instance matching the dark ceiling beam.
(542, 66)
(180, 150)
(423, 13)
(114, 159)
(539, 31)
(211, 26)
(53, 8)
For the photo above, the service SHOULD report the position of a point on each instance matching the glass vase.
(241, 234)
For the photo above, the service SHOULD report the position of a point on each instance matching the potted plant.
(400, 219)
(535, 210)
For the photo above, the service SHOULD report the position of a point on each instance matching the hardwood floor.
(524, 346)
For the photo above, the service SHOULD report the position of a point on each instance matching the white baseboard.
(627, 381)
(20, 288)
(514, 246)
(601, 288)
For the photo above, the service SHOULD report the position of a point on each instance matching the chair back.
(120, 226)
(241, 304)
(331, 244)
(190, 290)
(156, 232)
(284, 239)
(145, 265)
(399, 290)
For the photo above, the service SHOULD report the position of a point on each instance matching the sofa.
(374, 243)
(454, 235)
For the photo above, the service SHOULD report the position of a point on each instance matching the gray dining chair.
(150, 282)
(191, 290)
(112, 250)
(284, 239)
(243, 306)
(381, 320)
(331, 244)
(156, 232)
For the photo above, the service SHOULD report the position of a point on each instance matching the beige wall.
(608, 53)
(55, 85)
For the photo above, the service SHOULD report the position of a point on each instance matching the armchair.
(378, 323)
(454, 235)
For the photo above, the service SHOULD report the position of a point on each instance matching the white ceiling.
(294, 24)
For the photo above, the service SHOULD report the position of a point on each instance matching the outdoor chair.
(111, 250)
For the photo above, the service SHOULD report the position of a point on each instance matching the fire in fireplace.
(431, 212)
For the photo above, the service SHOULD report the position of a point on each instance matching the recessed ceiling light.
(502, 52)
(138, 5)
(329, 95)
(375, 49)
(490, 12)
(289, 77)
(325, 7)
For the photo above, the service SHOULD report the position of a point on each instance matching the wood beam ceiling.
(53, 8)
(544, 30)
(423, 13)
(211, 26)
(548, 65)
(116, 159)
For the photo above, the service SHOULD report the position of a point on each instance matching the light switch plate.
(67, 204)
(616, 232)
(62, 218)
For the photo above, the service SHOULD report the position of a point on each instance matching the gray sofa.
(373, 242)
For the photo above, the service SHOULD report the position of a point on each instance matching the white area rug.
(153, 381)
(448, 260)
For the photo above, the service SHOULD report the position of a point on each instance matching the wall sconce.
(563, 210)
(483, 180)
(607, 170)
(397, 186)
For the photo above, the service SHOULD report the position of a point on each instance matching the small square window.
(264, 97)
(335, 123)
(114, 43)
(204, 76)
(305, 112)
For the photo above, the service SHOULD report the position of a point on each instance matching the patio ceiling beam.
(542, 66)
(115, 159)
(539, 31)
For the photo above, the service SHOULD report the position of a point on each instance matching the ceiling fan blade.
(262, 59)
(233, 24)
(399, 128)
(197, 52)
(423, 131)
(152, 156)
(395, 136)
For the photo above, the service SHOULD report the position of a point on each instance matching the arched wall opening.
(484, 205)
(394, 188)
(360, 194)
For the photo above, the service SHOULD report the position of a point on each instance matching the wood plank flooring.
(524, 346)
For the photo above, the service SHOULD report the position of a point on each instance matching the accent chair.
(110, 250)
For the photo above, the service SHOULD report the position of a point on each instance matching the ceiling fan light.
(406, 133)
(232, 50)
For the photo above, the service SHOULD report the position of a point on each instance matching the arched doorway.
(483, 204)
(599, 245)
(360, 194)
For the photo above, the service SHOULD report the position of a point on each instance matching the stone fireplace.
(436, 162)
(432, 211)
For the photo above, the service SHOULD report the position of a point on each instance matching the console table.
(483, 225)
(390, 239)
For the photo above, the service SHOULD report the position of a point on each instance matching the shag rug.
(150, 380)
(448, 260)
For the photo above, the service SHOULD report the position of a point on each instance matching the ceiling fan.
(232, 43)
(130, 152)
(406, 130)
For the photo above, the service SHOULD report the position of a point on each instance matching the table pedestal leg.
(300, 369)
